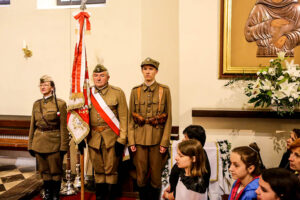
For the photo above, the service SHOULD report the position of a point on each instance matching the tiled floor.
(11, 175)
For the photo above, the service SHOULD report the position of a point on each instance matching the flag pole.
(82, 7)
(82, 175)
(79, 101)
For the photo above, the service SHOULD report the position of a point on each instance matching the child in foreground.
(245, 169)
(190, 160)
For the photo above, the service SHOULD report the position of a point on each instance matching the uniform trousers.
(105, 164)
(50, 166)
(148, 158)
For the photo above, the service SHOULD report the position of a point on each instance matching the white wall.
(123, 34)
(182, 34)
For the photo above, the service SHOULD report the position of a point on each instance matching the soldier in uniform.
(149, 129)
(48, 137)
(106, 143)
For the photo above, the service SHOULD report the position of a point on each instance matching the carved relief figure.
(275, 26)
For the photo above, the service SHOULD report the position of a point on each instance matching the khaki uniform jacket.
(148, 107)
(51, 140)
(115, 98)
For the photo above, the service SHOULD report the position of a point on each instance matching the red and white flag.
(79, 101)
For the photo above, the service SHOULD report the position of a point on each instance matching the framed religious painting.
(253, 31)
(4, 2)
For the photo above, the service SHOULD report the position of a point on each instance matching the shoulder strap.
(138, 97)
(41, 110)
(160, 93)
(139, 93)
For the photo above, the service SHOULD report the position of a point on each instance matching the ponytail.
(257, 149)
(55, 99)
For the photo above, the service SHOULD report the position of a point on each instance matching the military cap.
(46, 78)
(150, 61)
(99, 68)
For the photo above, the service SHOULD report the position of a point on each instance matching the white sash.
(105, 109)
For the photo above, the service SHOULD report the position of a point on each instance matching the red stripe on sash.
(104, 116)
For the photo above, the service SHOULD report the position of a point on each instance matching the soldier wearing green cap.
(105, 143)
(149, 129)
(48, 137)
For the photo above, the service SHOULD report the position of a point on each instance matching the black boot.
(143, 193)
(101, 191)
(154, 193)
(56, 189)
(111, 192)
(47, 190)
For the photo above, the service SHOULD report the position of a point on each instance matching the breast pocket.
(163, 104)
(158, 108)
(37, 114)
(140, 106)
(113, 105)
(51, 114)
(155, 106)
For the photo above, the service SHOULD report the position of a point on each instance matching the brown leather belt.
(147, 121)
(48, 128)
(99, 128)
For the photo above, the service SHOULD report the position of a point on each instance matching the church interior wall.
(122, 35)
(182, 34)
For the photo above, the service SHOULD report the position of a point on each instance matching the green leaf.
(252, 100)
(257, 104)
(282, 81)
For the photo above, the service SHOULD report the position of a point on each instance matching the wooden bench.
(14, 130)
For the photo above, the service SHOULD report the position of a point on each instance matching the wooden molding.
(238, 113)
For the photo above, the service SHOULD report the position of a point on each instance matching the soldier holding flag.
(98, 114)
(107, 139)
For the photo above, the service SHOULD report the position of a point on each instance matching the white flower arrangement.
(276, 86)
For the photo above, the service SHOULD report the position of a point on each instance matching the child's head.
(278, 184)
(244, 162)
(195, 132)
(295, 155)
(190, 156)
(295, 133)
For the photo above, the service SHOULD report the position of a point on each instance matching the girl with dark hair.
(245, 169)
(191, 162)
(278, 184)
(284, 163)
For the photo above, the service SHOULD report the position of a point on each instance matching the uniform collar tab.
(152, 86)
(102, 90)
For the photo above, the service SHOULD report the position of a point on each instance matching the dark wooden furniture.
(238, 113)
(14, 130)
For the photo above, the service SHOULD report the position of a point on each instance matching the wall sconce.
(26, 50)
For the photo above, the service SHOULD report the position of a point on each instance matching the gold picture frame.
(237, 56)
